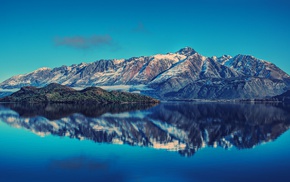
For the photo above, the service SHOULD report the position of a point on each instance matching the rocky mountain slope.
(57, 93)
(180, 127)
(285, 97)
(184, 74)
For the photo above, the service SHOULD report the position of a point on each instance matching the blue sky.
(51, 33)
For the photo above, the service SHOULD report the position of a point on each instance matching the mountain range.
(183, 75)
(181, 127)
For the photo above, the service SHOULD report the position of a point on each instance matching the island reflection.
(183, 127)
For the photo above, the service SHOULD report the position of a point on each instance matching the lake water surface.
(178, 141)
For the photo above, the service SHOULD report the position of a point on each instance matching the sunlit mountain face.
(181, 75)
(180, 127)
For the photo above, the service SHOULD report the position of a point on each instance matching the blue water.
(215, 142)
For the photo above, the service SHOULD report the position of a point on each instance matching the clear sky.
(51, 33)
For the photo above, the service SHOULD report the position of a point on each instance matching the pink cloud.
(82, 42)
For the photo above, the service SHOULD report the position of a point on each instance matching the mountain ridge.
(182, 127)
(184, 74)
(56, 93)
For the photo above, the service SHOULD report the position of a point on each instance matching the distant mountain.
(184, 74)
(4, 94)
(180, 127)
(57, 93)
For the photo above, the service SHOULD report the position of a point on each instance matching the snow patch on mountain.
(204, 66)
(42, 69)
(228, 62)
(175, 69)
(172, 130)
(136, 114)
(170, 56)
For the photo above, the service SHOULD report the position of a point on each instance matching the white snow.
(41, 69)
(56, 77)
(204, 66)
(178, 133)
(136, 114)
(228, 62)
(174, 70)
(41, 134)
(54, 125)
(10, 119)
(98, 127)
(117, 141)
(172, 146)
(126, 88)
(170, 56)
(118, 61)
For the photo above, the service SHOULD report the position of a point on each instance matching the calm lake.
(177, 141)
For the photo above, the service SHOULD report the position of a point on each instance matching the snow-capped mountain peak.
(186, 51)
(184, 74)
(42, 69)
(223, 59)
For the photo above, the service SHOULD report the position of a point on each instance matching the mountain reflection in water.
(180, 126)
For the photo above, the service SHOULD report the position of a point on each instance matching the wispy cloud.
(82, 42)
(102, 170)
(140, 28)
